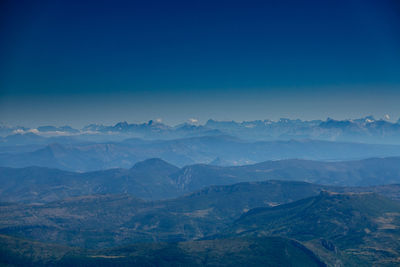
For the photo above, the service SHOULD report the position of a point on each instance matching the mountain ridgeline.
(348, 229)
(72, 154)
(155, 179)
(367, 129)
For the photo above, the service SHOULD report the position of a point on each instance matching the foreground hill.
(100, 221)
(351, 229)
(345, 229)
(107, 220)
(268, 251)
(156, 179)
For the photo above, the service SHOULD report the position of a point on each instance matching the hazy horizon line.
(197, 122)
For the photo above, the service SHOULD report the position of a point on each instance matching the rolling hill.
(346, 229)
(98, 221)
(216, 226)
(156, 179)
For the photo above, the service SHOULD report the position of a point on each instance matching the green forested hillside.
(269, 251)
(348, 229)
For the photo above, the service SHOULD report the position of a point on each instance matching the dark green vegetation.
(269, 251)
(122, 219)
(350, 229)
(156, 179)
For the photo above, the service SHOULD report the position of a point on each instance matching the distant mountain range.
(224, 150)
(368, 130)
(156, 179)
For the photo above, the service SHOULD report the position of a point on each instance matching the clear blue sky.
(76, 62)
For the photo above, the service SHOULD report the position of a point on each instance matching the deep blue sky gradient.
(75, 62)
